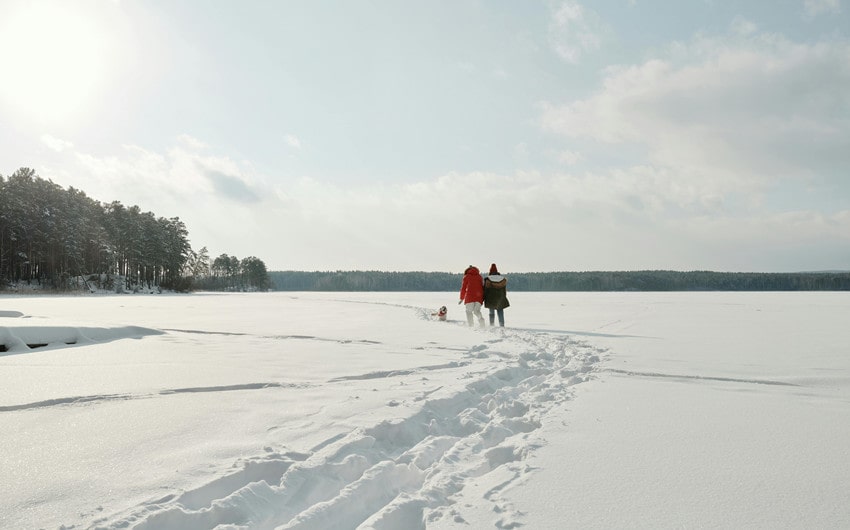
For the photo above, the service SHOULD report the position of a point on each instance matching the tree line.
(229, 273)
(565, 281)
(363, 281)
(59, 238)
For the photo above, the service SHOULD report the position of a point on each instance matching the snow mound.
(16, 340)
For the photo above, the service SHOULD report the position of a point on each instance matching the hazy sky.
(429, 135)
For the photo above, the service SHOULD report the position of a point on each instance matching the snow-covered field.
(358, 410)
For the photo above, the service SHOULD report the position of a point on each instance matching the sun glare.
(52, 59)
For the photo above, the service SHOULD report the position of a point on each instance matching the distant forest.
(565, 281)
(58, 239)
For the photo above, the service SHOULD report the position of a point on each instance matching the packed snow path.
(395, 474)
(386, 418)
(401, 473)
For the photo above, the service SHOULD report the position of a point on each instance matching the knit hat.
(494, 269)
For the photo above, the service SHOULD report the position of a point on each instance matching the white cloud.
(292, 141)
(742, 26)
(220, 200)
(179, 178)
(569, 158)
(525, 221)
(521, 150)
(821, 7)
(724, 115)
(534, 221)
(191, 142)
(574, 31)
(720, 149)
(56, 144)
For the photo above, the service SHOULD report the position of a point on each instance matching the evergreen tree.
(49, 235)
(255, 274)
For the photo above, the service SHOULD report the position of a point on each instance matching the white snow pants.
(474, 308)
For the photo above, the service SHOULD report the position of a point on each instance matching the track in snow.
(397, 474)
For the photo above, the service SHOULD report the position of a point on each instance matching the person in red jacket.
(472, 294)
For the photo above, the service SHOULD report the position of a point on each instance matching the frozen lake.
(359, 410)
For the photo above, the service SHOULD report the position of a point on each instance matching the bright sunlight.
(52, 58)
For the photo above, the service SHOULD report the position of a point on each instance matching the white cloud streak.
(816, 8)
(574, 31)
(528, 221)
(293, 141)
(55, 144)
(719, 118)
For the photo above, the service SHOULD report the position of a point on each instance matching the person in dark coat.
(472, 294)
(496, 295)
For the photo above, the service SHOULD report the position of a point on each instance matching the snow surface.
(361, 410)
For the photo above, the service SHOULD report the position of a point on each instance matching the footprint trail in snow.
(403, 473)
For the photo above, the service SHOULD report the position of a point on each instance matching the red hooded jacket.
(472, 288)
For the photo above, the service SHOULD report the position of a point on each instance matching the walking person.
(496, 295)
(472, 294)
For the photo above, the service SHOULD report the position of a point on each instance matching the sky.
(428, 136)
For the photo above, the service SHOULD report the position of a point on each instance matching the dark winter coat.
(472, 288)
(495, 292)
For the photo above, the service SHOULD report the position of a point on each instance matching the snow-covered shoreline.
(333, 410)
